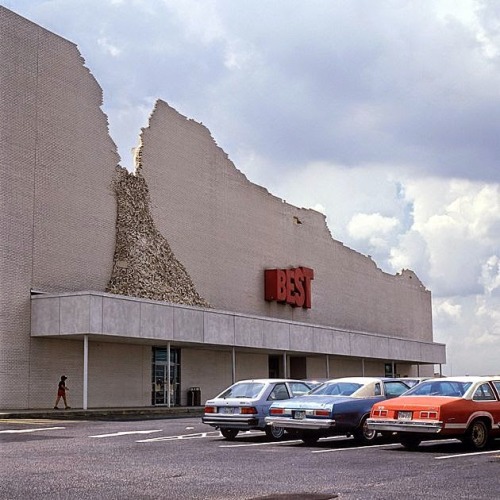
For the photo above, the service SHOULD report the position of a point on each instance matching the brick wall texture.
(226, 231)
(191, 228)
(57, 205)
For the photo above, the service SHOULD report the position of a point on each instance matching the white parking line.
(285, 442)
(31, 421)
(331, 450)
(445, 457)
(390, 445)
(125, 433)
(22, 431)
(198, 435)
(268, 443)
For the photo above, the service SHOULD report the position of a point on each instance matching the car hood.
(306, 402)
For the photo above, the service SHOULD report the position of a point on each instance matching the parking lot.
(183, 459)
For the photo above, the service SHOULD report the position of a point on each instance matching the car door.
(356, 409)
(278, 392)
(485, 399)
(496, 411)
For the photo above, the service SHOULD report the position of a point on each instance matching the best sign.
(289, 286)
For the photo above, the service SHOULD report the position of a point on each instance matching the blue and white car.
(337, 407)
(245, 405)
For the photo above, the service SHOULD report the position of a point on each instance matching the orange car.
(466, 408)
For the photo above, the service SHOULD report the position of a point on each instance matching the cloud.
(373, 228)
(490, 275)
(108, 47)
(335, 82)
(459, 221)
(446, 308)
(409, 87)
(470, 327)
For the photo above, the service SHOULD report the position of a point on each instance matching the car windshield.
(450, 388)
(244, 390)
(336, 389)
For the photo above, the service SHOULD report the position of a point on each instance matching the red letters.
(299, 295)
(281, 285)
(290, 286)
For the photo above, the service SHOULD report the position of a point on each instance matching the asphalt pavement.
(181, 458)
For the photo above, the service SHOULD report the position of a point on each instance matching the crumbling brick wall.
(227, 230)
(144, 265)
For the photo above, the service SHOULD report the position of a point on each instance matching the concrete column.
(168, 375)
(285, 367)
(233, 365)
(362, 367)
(85, 370)
(327, 366)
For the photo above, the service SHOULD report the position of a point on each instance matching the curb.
(105, 413)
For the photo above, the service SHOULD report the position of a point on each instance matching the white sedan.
(245, 405)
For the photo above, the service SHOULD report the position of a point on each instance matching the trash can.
(194, 396)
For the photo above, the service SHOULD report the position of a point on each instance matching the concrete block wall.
(251, 365)
(119, 375)
(57, 207)
(373, 368)
(211, 370)
(52, 358)
(347, 367)
(316, 367)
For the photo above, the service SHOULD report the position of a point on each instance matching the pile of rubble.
(144, 265)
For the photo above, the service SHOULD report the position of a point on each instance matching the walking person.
(61, 393)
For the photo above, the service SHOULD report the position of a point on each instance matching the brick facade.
(57, 205)
(210, 234)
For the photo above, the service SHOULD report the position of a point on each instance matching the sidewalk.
(141, 413)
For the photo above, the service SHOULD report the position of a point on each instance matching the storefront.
(141, 286)
(163, 350)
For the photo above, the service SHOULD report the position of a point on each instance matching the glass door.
(160, 384)
(165, 387)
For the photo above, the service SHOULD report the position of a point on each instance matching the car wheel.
(410, 442)
(363, 435)
(477, 436)
(274, 433)
(229, 434)
(309, 438)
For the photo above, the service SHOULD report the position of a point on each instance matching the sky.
(384, 116)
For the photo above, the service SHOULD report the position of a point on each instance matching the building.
(140, 285)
